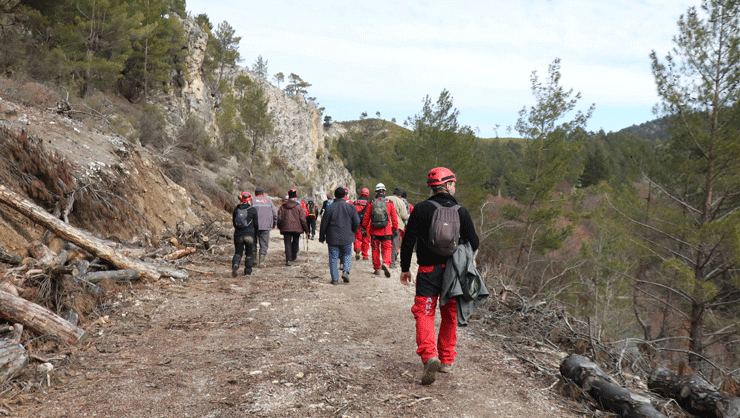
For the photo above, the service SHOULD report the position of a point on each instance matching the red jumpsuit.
(381, 237)
(362, 244)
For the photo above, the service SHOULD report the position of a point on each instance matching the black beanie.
(339, 192)
(292, 193)
(397, 191)
(259, 190)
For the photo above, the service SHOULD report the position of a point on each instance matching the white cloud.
(376, 55)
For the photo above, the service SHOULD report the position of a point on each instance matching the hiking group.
(438, 229)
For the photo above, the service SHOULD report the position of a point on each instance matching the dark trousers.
(291, 240)
(243, 244)
(311, 226)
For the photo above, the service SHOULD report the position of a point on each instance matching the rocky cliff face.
(299, 139)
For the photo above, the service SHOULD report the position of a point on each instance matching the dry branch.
(13, 357)
(80, 238)
(10, 258)
(179, 253)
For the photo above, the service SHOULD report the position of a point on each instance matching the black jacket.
(339, 224)
(252, 219)
(417, 232)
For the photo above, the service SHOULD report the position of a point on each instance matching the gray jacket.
(461, 263)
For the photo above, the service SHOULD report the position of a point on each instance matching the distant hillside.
(653, 130)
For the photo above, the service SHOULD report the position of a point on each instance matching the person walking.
(381, 222)
(338, 227)
(245, 220)
(267, 214)
(313, 213)
(324, 206)
(291, 220)
(362, 239)
(402, 212)
(436, 354)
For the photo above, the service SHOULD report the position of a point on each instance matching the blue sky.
(387, 56)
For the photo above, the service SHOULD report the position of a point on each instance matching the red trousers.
(362, 243)
(385, 247)
(428, 345)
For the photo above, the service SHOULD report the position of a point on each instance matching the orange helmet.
(365, 192)
(439, 176)
(246, 197)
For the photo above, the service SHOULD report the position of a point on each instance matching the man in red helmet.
(246, 223)
(436, 355)
(362, 243)
(381, 232)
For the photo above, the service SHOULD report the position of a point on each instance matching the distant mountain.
(653, 130)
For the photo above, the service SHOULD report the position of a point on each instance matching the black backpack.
(240, 221)
(444, 233)
(312, 209)
(379, 213)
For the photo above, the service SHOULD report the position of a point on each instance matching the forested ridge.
(633, 232)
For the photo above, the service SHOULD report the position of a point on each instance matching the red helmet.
(365, 192)
(439, 176)
(246, 197)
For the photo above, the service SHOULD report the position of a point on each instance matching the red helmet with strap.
(365, 192)
(246, 197)
(439, 176)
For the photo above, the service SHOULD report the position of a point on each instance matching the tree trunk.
(80, 238)
(694, 394)
(586, 374)
(39, 319)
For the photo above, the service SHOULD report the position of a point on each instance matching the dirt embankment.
(282, 342)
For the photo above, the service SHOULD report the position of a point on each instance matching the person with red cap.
(246, 222)
(381, 223)
(292, 223)
(436, 354)
(362, 243)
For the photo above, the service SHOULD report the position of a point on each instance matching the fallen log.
(13, 356)
(99, 276)
(10, 258)
(604, 389)
(84, 240)
(41, 253)
(39, 319)
(694, 394)
(179, 253)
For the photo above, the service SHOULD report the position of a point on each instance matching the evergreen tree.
(548, 150)
(254, 112)
(260, 67)
(694, 234)
(296, 85)
(279, 78)
(225, 49)
(437, 139)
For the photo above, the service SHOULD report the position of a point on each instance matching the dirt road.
(280, 343)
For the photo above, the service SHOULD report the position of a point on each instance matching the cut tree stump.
(84, 240)
(39, 319)
(602, 387)
(694, 394)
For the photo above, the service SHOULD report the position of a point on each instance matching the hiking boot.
(247, 271)
(376, 272)
(287, 263)
(261, 260)
(386, 270)
(334, 282)
(445, 368)
(357, 254)
(234, 270)
(430, 371)
(345, 277)
(393, 265)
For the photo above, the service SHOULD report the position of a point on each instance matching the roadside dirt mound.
(282, 342)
